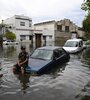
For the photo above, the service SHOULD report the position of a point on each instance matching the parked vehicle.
(10, 42)
(74, 45)
(45, 58)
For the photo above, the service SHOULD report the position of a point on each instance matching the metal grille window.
(30, 24)
(50, 37)
(59, 27)
(66, 28)
(22, 23)
(23, 37)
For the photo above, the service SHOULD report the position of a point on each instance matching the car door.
(59, 56)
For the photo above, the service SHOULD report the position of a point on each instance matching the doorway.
(38, 40)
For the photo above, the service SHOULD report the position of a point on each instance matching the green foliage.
(86, 22)
(86, 26)
(9, 35)
(88, 42)
(86, 5)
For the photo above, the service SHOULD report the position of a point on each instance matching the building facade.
(20, 25)
(47, 30)
(64, 29)
(56, 30)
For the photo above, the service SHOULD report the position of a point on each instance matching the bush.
(88, 42)
(10, 36)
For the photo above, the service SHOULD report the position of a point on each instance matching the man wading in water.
(22, 62)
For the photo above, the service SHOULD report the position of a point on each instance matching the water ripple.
(70, 81)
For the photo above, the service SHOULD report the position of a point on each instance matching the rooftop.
(45, 22)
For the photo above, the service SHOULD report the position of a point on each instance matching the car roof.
(50, 47)
(75, 40)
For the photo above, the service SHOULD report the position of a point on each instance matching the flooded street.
(70, 81)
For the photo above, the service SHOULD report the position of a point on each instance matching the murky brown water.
(71, 81)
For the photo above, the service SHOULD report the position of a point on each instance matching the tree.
(86, 5)
(10, 35)
(86, 26)
(86, 22)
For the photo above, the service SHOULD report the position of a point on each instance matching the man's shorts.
(18, 68)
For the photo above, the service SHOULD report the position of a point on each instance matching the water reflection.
(1, 51)
(85, 92)
(70, 81)
(86, 97)
(24, 81)
(9, 51)
(76, 56)
(86, 57)
(56, 70)
(1, 74)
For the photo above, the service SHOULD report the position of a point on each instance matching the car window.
(8, 40)
(76, 44)
(61, 52)
(42, 54)
(71, 44)
(80, 43)
(58, 53)
(12, 40)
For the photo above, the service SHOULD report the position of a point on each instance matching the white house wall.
(17, 24)
(10, 21)
(16, 28)
(47, 30)
(20, 32)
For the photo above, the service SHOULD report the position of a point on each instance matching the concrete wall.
(16, 28)
(63, 33)
(47, 30)
(50, 28)
(24, 19)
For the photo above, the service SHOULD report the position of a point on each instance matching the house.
(81, 33)
(41, 32)
(20, 25)
(64, 29)
(47, 28)
(56, 30)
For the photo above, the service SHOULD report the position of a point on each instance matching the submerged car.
(74, 45)
(45, 58)
(10, 42)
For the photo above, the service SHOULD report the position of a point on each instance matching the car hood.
(37, 64)
(71, 49)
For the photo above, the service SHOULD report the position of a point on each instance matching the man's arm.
(20, 64)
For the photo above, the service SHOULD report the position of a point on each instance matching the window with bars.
(22, 37)
(59, 27)
(22, 23)
(66, 28)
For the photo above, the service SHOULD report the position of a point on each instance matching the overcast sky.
(43, 10)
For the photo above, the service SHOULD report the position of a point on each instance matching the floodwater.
(70, 81)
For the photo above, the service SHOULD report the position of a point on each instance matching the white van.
(73, 45)
(10, 42)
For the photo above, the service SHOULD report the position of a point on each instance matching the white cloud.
(41, 10)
